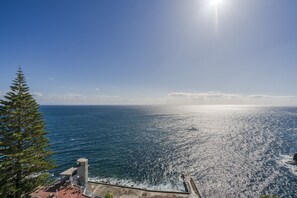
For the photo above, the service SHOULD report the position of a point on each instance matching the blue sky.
(151, 52)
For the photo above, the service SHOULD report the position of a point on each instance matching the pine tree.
(24, 154)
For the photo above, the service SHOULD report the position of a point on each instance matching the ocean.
(230, 151)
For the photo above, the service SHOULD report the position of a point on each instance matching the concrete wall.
(82, 171)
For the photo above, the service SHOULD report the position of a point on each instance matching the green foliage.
(269, 196)
(108, 195)
(24, 155)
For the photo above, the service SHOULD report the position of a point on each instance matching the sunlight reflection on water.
(231, 151)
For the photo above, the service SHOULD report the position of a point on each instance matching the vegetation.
(268, 196)
(108, 195)
(24, 155)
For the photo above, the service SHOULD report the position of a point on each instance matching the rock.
(193, 129)
(295, 157)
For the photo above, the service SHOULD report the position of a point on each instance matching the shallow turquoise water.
(231, 151)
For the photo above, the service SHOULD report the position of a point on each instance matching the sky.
(151, 52)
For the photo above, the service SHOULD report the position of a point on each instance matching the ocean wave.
(144, 185)
(283, 161)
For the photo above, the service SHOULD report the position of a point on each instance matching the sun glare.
(216, 2)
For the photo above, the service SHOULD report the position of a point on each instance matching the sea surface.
(230, 151)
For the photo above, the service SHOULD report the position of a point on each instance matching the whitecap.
(285, 162)
(143, 185)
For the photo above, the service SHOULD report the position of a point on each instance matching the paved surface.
(101, 189)
(63, 192)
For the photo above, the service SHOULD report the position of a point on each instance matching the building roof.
(82, 160)
(69, 172)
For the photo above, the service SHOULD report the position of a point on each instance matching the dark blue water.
(231, 151)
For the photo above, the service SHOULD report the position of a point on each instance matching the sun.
(216, 2)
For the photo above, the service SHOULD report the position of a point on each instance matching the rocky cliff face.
(295, 157)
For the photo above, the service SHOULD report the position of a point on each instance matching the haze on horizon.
(152, 52)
